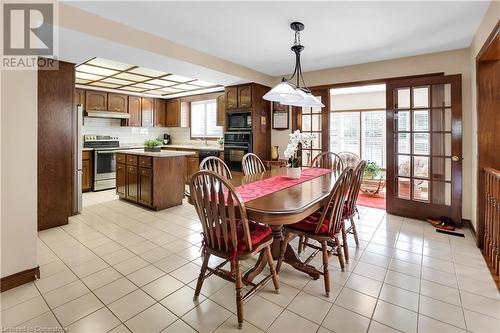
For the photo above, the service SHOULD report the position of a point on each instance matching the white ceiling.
(257, 34)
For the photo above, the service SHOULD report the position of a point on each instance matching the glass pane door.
(424, 177)
(312, 123)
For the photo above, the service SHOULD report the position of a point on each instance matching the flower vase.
(275, 154)
(293, 173)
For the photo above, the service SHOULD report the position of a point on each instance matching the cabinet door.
(173, 112)
(134, 110)
(117, 102)
(147, 112)
(193, 166)
(231, 98)
(86, 183)
(159, 113)
(132, 180)
(145, 186)
(96, 100)
(121, 176)
(221, 110)
(80, 97)
(245, 96)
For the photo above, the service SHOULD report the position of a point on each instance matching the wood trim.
(374, 81)
(19, 278)
(492, 36)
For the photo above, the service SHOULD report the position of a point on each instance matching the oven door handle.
(235, 147)
(105, 151)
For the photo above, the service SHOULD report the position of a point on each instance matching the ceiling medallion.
(289, 91)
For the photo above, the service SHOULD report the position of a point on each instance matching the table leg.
(290, 258)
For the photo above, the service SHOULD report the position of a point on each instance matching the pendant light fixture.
(289, 91)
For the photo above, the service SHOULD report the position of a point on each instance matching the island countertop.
(162, 153)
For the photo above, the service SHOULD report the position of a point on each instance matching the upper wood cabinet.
(159, 113)
(96, 100)
(221, 110)
(231, 98)
(173, 118)
(134, 109)
(117, 102)
(147, 112)
(80, 97)
(245, 96)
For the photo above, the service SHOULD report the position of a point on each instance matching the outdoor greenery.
(372, 170)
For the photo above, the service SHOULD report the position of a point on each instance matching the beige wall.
(485, 28)
(18, 182)
(449, 62)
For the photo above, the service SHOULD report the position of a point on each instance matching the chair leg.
(326, 272)
(354, 231)
(339, 253)
(301, 242)
(201, 277)
(344, 241)
(357, 211)
(270, 262)
(239, 298)
(284, 244)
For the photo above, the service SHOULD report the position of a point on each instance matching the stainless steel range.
(104, 147)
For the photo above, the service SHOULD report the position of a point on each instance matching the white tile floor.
(118, 268)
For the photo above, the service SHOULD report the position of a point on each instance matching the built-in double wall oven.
(236, 145)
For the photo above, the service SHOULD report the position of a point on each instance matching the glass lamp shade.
(309, 100)
(284, 93)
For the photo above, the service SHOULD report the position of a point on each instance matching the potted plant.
(220, 141)
(372, 170)
(294, 162)
(153, 145)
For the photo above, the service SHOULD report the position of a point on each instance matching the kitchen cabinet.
(121, 175)
(154, 182)
(221, 110)
(147, 112)
(231, 94)
(117, 102)
(145, 186)
(131, 184)
(134, 110)
(87, 171)
(80, 97)
(173, 117)
(193, 166)
(221, 155)
(96, 100)
(245, 96)
(159, 113)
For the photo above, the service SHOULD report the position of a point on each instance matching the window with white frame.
(204, 119)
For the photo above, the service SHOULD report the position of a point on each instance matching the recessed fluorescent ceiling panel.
(99, 72)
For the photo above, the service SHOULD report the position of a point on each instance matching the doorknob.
(455, 158)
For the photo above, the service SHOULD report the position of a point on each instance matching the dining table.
(274, 199)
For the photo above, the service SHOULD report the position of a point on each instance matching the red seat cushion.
(258, 233)
(309, 224)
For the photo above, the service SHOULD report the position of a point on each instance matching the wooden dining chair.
(252, 164)
(322, 226)
(215, 164)
(328, 160)
(349, 159)
(350, 208)
(228, 234)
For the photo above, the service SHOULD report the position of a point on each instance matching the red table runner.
(263, 187)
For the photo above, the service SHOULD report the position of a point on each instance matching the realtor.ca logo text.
(28, 35)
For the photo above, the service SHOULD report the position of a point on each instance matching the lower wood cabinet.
(155, 182)
(87, 171)
(193, 166)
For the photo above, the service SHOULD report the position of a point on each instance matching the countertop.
(163, 153)
(175, 146)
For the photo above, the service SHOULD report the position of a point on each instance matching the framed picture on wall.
(281, 116)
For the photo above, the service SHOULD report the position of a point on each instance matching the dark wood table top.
(291, 204)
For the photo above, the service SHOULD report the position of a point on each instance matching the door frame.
(423, 210)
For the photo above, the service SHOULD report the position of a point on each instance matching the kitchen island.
(151, 179)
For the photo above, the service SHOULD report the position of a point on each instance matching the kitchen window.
(204, 120)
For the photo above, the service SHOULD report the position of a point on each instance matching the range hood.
(107, 114)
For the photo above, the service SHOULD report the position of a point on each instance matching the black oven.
(239, 121)
(236, 145)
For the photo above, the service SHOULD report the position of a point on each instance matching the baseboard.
(17, 279)
(468, 224)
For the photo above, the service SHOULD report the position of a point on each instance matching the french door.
(424, 147)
